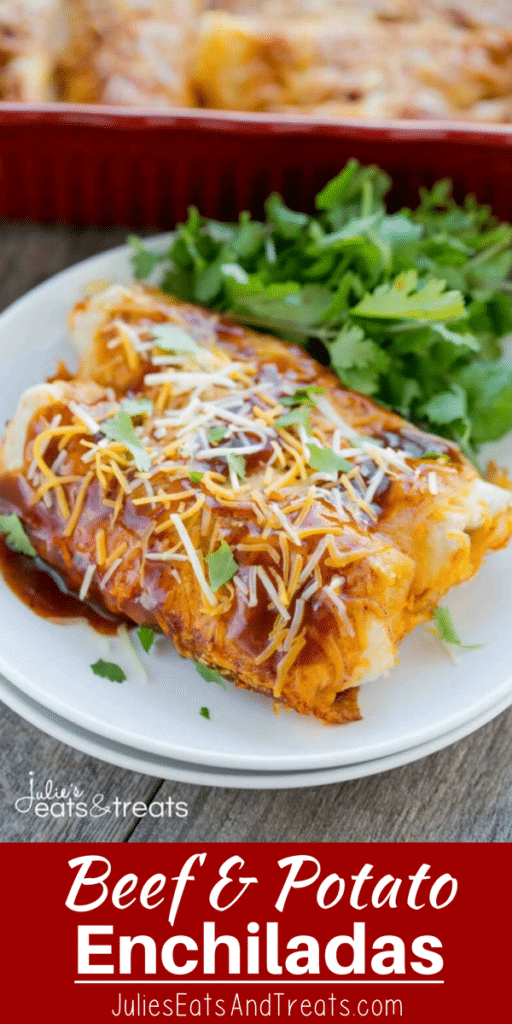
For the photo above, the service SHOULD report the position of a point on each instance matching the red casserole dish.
(103, 165)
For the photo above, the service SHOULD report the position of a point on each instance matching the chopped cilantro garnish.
(302, 396)
(221, 566)
(137, 406)
(205, 712)
(367, 439)
(408, 307)
(173, 338)
(108, 670)
(209, 674)
(435, 456)
(236, 463)
(146, 636)
(446, 631)
(216, 434)
(299, 415)
(326, 461)
(120, 428)
(15, 535)
(195, 476)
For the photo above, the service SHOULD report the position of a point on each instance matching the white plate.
(424, 698)
(229, 778)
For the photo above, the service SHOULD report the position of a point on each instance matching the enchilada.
(219, 486)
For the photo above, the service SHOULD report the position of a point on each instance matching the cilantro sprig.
(236, 463)
(146, 636)
(299, 415)
(407, 307)
(137, 406)
(209, 674)
(109, 670)
(172, 338)
(221, 566)
(446, 631)
(15, 535)
(303, 396)
(327, 461)
(216, 434)
(120, 428)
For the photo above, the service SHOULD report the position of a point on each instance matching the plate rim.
(176, 771)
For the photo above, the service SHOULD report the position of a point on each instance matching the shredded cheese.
(195, 564)
(101, 548)
(86, 582)
(80, 498)
(272, 593)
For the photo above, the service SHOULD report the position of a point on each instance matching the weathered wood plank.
(30, 253)
(461, 794)
(23, 749)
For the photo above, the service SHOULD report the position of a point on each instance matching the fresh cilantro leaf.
(334, 193)
(221, 566)
(143, 260)
(347, 188)
(195, 476)
(402, 299)
(488, 387)
(397, 229)
(365, 438)
(298, 415)
(302, 396)
(433, 456)
(209, 674)
(326, 461)
(137, 406)
(236, 463)
(352, 350)
(120, 428)
(287, 222)
(456, 337)
(205, 712)
(283, 306)
(172, 338)
(236, 272)
(356, 228)
(358, 361)
(108, 670)
(446, 630)
(216, 434)
(446, 407)
(146, 636)
(428, 286)
(15, 535)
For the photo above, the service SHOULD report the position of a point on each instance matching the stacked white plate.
(153, 724)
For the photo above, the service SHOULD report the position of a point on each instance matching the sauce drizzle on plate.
(45, 593)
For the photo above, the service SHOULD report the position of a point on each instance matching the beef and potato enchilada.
(220, 486)
(365, 59)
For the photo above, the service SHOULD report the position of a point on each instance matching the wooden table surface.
(463, 793)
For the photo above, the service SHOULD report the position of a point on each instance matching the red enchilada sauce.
(46, 594)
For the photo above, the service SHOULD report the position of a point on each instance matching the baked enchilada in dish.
(220, 486)
(129, 52)
(31, 35)
(354, 64)
(366, 59)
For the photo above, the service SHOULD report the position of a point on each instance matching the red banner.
(102, 932)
